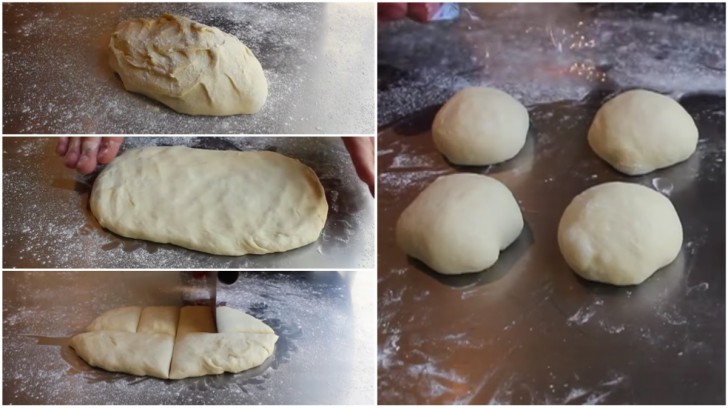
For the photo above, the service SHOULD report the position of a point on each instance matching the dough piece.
(480, 126)
(196, 350)
(641, 131)
(619, 233)
(199, 354)
(159, 319)
(231, 320)
(188, 66)
(124, 319)
(133, 353)
(219, 202)
(460, 223)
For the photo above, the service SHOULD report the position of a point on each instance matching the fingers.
(73, 152)
(62, 146)
(89, 151)
(109, 149)
(361, 150)
(85, 153)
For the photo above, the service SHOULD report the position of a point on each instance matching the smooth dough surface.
(124, 319)
(189, 349)
(460, 223)
(641, 131)
(219, 202)
(188, 66)
(480, 126)
(619, 233)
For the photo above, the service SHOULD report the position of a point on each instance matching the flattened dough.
(219, 202)
(188, 66)
(190, 348)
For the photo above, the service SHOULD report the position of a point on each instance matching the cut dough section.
(231, 320)
(188, 66)
(199, 354)
(219, 202)
(124, 319)
(154, 350)
(133, 353)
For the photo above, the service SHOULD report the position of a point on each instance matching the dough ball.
(188, 66)
(480, 126)
(619, 233)
(641, 131)
(460, 223)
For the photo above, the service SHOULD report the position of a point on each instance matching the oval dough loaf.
(640, 131)
(219, 202)
(175, 343)
(188, 66)
(480, 126)
(619, 233)
(460, 223)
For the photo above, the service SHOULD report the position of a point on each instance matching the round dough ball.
(480, 126)
(460, 223)
(188, 66)
(619, 233)
(641, 131)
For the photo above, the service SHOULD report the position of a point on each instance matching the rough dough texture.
(190, 348)
(219, 202)
(460, 223)
(188, 66)
(619, 233)
(641, 131)
(480, 126)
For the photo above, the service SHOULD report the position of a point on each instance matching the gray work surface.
(325, 354)
(529, 330)
(47, 222)
(317, 58)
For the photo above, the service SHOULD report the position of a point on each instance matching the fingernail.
(83, 158)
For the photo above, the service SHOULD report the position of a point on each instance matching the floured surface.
(317, 59)
(316, 361)
(529, 330)
(38, 188)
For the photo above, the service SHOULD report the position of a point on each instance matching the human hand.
(84, 153)
(421, 12)
(361, 150)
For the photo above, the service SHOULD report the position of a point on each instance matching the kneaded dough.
(219, 202)
(124, 319)
(480, 126)
(641, 131)
(191, 348)
(619, 233)
(460, 223)
(188, 66)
